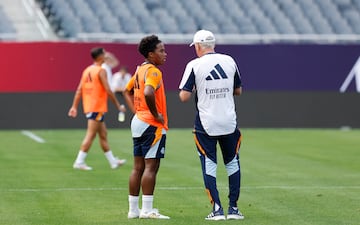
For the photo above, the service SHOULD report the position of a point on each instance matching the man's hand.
(72, 112)
(160, 118)
(122, 108)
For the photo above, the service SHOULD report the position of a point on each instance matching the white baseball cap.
(203, 36)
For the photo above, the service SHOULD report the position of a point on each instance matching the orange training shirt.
(94, 95)
(148, 74)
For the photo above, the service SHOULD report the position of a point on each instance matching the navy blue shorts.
(97, 116)
(149, 141)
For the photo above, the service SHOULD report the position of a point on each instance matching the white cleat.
(118, 163)
(234, 214)
(216, 215)
(81, 166)
(153, 214)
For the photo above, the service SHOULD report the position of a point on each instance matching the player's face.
(159, 55)
(101, 58)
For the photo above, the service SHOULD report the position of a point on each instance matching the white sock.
(147, 202)
(81, 157)
(133, 203)
(110, 157)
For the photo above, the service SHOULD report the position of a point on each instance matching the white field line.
(182, 188)
(33, 136)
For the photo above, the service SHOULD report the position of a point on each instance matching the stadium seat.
(187, 16)
(353, 18)
(6, 27)
(69, 27)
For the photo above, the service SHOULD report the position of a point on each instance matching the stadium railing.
(226, 38)
(7, 36)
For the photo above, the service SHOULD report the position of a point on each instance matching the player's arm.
(184, 95)
(153, 81)
(187, 84)
(111, 60)
(129, 94)
(77, 97)
(237, 82)
(238, 91)
(105, 83)
(149, 93)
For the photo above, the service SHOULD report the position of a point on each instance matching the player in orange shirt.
(94, 91)
(145, 96)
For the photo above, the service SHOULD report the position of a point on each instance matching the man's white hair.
(207, 45)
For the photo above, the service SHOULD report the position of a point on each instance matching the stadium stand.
(76, 18)
(23, 20)
(7, 30)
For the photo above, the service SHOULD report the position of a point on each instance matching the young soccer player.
(145, 94)
(94, 91)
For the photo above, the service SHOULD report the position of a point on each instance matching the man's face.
(101, 58)
(159, 55)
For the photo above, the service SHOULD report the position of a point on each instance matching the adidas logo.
(217, 73)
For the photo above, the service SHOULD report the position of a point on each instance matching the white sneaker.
(133, 214)
(216, 215)
(118, 163)
(81, 166)
(152, 214)
(234, 214)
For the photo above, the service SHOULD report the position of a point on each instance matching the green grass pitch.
(289, 177)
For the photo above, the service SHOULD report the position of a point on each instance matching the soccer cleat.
(152, 214)
(234, 214)
(216, 215)
(133, 214)
(81, 166)
(118, 163)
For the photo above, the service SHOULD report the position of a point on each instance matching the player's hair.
(148, 44)
(96, 52)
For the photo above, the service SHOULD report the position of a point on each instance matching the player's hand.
(122, 108)
(160, 118)
(72, 112)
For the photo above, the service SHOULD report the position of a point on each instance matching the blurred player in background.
(94, 90)
(119, 80)
(145, 96)
(110, 62)
(215, 78)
